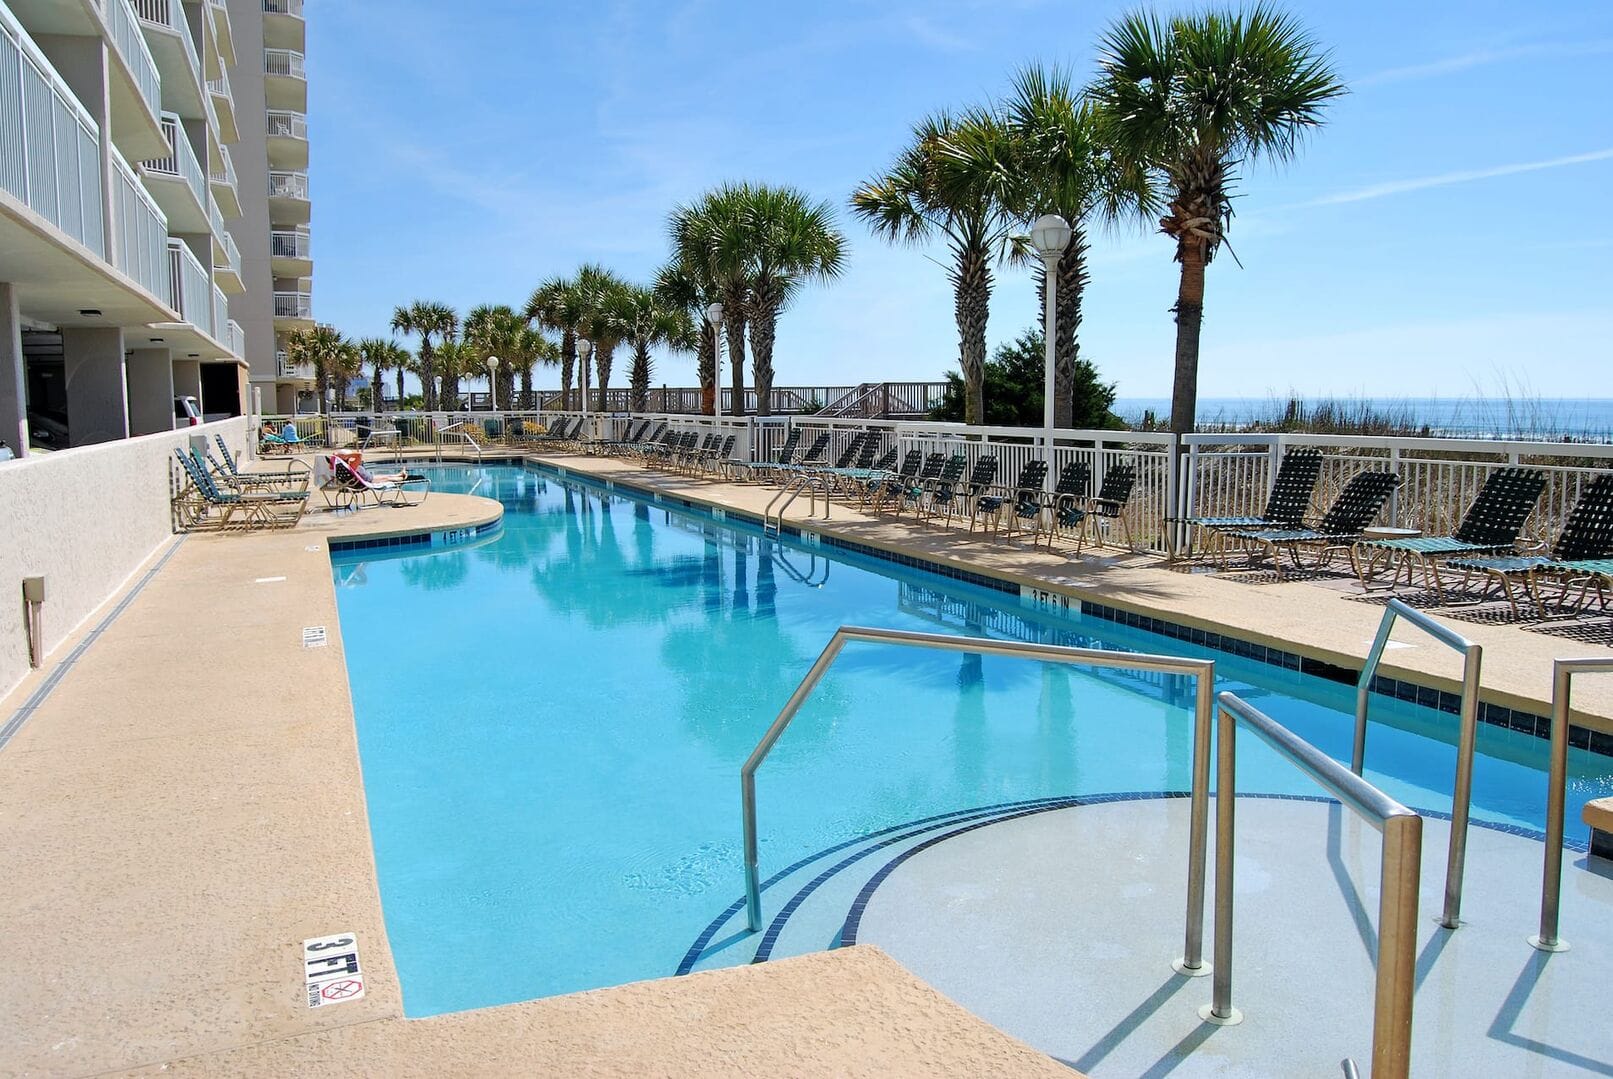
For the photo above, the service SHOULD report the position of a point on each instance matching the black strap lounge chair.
(1114, 494)
(763, 468)
(1066, 506)
(1491, 525)
(948, 501)
(879, 488)
(942, 487)
(1586, 539)
(988, 508)
(1286, 505)
(913, 489)
(1356, 507)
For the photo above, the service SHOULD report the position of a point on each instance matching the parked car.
(187, 412)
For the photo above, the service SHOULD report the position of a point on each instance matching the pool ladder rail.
(811, 483)
(456, 431)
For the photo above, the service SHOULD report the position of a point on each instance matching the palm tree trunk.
(428, 374)
(734, 318)
(972, 306)
(1072, 282)
(706, 368)
(568, 361)
(375, 390)
(640, 379)
(1189, 320)
(763, 332)
(602, 363)
(400, 386)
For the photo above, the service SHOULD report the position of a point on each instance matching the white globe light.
(1050, 235)
(714, 313)
(492, 362)
(584, 348)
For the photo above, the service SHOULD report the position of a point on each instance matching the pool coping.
(1508, 711)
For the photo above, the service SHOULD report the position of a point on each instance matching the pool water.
(551, 725)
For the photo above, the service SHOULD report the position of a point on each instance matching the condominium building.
(134, 253)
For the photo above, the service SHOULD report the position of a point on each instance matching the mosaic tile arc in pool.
(551, 724)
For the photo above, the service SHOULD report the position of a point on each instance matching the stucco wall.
(85, 519)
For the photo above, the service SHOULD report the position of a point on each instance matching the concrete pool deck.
(185, 807)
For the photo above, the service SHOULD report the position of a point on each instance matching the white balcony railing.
(221, 315)
(225, 175)
(292, 244)
(232, 253)
(284, 124)
(142, 232)
(181, 161)
(288, 369)
(286, 63)
(170, 14)
(215, 218)
(220, 87)
(130, 44)
(283, 7)
(288, 185)
(51, 158)
(298, 305)
(234, 338)
(192, 291)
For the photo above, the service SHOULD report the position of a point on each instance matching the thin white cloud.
(1482, 58)
(1445, 179)
(926, 32)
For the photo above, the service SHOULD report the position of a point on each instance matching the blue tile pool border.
(1494, 714)
(438, 537)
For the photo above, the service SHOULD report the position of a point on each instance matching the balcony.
(293, 310)
(215, 223)
(301, 372)
(192, 291)
(142, 232)
(176, 181)
(234, 338)
(227, 270)
(283, 26)
(224, 109)
(168, 34)
(288, 198)
(223, 31)
(285, 82)
(290, 253)
(136, 84)
(222, 182)
(287, 136)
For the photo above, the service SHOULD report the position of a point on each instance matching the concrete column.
(13, 383)
(151, 391)
(97, 391)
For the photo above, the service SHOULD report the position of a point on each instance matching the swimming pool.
(551, 725)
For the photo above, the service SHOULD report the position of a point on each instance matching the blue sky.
(1445, 234)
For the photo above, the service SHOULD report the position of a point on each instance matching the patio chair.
(830, 473)
(877, 488)
(353, 485)
(287, 441)
(761, 469)
(811, 459)
(1286, 505)
(942, 485)
(1362, 499)
(946, 500)
(988, 508)
(913, 487)
(199, 499)
(1586, 539)
(1065, 507)
(224, 468)
(1492, 525)
(1110, 503)
(856, 481)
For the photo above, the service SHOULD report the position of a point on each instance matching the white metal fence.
(130, 44)
(181, 160)
(142, 232)
(192, 288)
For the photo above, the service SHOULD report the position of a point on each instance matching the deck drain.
(312, 547)
(268, 580)
(313, 636)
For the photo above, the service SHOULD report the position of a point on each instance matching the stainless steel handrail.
(1400, 874)
(1551, 883)
(1192, 960)
(1466, 739)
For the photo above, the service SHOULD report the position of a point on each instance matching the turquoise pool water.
(551, 726)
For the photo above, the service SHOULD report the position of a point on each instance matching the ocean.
(1545, 418)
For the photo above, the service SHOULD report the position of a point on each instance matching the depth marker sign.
(331, 973)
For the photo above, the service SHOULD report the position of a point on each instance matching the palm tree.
(789, 240)
(557, 304)
(685, 287)
(532, 349)
(953, 180)
(711, 235)
(426, 318)
(1064, 168)
(403, 361)
(1191, 99)
(346, 364)
(454, 360)
(382, 355)
(495, 330)
(650, 321)
(604, 297)
(323, 348)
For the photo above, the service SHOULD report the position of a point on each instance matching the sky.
(1445, 234)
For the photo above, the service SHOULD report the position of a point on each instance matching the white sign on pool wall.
(1043, 600)
(331, 973)
(452, 537)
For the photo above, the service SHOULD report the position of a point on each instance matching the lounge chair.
(1362, 499)
(1286, 506)
(1114, 494)
(855, 481)
(1585, 540)
(1584, 573)
(877, 488)
(296, 473)
(760, 469)
(830, 473)
(201, 498)
(913, 488)
(352, 486)
(988, 508)
(946, 500)
(1491, 525)
(941, 485)
(811, 459)
(1065, 507)
(287, 441)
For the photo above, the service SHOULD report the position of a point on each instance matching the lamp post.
(492, 384)
(1050, 235)
(585, 349)
(714, 316)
